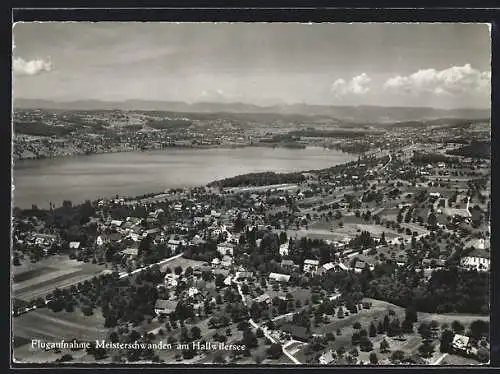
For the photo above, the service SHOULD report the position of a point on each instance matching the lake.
(79, 178)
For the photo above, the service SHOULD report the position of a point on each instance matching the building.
(264, 298)
(297, 332)
(284, 249)
(478, 259)
(165, 307)
(243, 275)
(225, 249)
(326, 358)
(359, 266)
(461, 343)
(279, 277)
(226, 261)
(311, 266)
(74, 245)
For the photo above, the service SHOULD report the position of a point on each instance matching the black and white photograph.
(233, 194)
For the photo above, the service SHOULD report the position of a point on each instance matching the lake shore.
(79, 178)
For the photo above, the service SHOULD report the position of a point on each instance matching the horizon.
(249, 104)
(264, 64)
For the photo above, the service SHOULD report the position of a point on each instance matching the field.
(48, 326)
(32, 280)
(409, 344)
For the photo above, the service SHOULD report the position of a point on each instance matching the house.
(359, 266)
(264, 298)
(342, 266)
(284, 249)
(131, 251)
(99, 241)
(115, 237)
(228, 280)
(116, 223)
(326, 358)
(225, 249)
(193, 291)
(165, 307)
(151, 232)
(215, 262)
(196, 241)
(226, 261)
(297, 332)
(478, 259)
(461, 343)
(74, 245)
(170, 282)
(243, 275)
(327, 267)
(173, 244)
(435, 194)
(311, 266)
(279, 277)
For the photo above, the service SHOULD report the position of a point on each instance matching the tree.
(411, 314)
(478, 329)
(259, 333)
(446, 340)
(356, 325)
(275, 351)
(380, 328)
(426, 349)
(398, 356)
(385, 323)
(384, 346)
(340, 313)
(195, 333)
(407, 327)
(425, 331)
(373, 358)
(372, 330)
(178, 270)
(457, 327)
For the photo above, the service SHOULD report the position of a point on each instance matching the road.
(265, 330)
(122, 275)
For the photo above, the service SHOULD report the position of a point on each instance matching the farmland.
(48, 274)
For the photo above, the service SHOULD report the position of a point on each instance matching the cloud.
(455, 80)
(357, 86)
(22, 67)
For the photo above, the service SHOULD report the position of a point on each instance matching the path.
(438, 361)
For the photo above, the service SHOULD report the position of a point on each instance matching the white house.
(74, 245)
(116, 223)
(165, 307)
(225, 249)
(279, 277)
(478, 259)
(311, 266)
(326, 358)
(99, 241)
(193, 291)
(284, 249)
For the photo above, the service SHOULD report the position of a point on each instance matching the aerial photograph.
(233, 194)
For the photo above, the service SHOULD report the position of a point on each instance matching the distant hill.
(368, 114)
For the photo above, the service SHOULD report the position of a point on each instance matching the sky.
(387, 64)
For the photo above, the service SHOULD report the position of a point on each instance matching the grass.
(40, 278)
(30, 274)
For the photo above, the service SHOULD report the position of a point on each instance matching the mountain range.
(349, 113)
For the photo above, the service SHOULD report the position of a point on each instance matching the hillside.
(346, 113)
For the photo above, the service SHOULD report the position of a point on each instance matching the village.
(381, 261)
